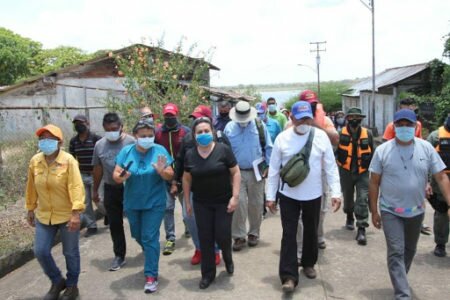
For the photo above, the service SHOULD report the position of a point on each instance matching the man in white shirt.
(305, 197)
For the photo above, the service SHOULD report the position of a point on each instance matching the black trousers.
(114, 209)
(290, 211)
(214, 225)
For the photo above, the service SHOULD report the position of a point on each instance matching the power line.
(318, 49)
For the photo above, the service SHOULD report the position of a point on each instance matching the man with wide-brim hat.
(353, 157)
(250, 140)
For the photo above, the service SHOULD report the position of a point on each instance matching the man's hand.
(272, 206)
(74, 223)
(336, 204)
(428, 190)
(30, 218)
(232, 204)
(188, 208)
(95, 196)
(376, 219)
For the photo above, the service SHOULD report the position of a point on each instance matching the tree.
(154, 76)
(17, 56)
(60, 57)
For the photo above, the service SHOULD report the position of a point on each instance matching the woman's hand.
(160, 164)
(232, 204)
(74, 223)
(30, 218)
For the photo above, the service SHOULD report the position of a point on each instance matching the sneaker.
(169, 248)
(239, 244)
(55, 290)
(217, 260)
(90, 232)
(322, 245)
(117, 263)
(71, 293)
(439, 251)
(197, 258)
(288, 286)
(252, 240)
(361, 236)
(310, 272)
(151, 284)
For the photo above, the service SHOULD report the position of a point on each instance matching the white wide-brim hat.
(242, 112)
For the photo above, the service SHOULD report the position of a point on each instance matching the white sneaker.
(151, 285)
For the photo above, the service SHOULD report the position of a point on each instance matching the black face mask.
(223, 114)
(170, 122)
(313, 108)
(354, 123)
(80, 128)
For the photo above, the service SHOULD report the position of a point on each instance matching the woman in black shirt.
(212, 174)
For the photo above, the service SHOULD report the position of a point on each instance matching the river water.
(280, 96)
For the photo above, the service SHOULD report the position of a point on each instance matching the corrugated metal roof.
(386, 78)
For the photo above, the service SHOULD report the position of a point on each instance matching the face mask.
(80, 128)
(48, 146)
(146, 142)
(405, 134)
(112, 136)
(223, 114)
(272, 107)
(354, 123)
(340, 121)
(170, 122)
(244, 124)
(204, 139)
(303, 129)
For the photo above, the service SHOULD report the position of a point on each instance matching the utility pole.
(318, 50)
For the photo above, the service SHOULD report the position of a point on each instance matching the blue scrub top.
(144, 189)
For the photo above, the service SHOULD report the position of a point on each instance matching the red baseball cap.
(308, 96)
(170, 109)
(202, 111)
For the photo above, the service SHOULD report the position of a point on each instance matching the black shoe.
(230, 268)
(349, 223)
(55, 290)
(117, 263)
(439, 251)
(71, 293)
(361, 236)
(204, 283)
(105, 221)
(90, 232)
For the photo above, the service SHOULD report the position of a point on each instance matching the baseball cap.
(54, 130)
(202, 111)
(301, 109)
(405, 114)
(80, 117)
(309, 96)
(260, 108)
(170, 109)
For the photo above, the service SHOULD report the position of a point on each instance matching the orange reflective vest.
(443, 147)
(345, 150)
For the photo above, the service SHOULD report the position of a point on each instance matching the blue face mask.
(272, 107)
(48, 146)
(405, 134)
(204, 139)
(146, 142)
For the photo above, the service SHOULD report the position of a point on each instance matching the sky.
(254, 42)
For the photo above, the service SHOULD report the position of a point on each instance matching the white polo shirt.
(287, 144)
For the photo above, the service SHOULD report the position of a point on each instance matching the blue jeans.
(144, 226)
(43, 241)
(169, 219)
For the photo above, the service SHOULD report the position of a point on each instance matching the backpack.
(297, 168)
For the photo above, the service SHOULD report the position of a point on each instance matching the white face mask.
(303, 128)
(243, 125)
(112, 136)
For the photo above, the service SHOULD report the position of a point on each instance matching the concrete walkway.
(345, 270)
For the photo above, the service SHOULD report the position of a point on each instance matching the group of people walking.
(224, 171)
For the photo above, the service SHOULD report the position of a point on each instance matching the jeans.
(144, 227)
(114, 208)
(402, 235)
(214, 225)
(290, 210)
(43, 241)
(169, 219)
(88, 219)
(251, 199)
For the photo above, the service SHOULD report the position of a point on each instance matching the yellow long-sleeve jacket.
(54, 190)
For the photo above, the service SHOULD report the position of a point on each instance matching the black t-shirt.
(211, 181)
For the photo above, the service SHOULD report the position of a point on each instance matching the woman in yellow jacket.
(54, 200)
